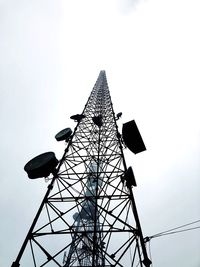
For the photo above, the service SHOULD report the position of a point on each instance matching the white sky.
(51, 53)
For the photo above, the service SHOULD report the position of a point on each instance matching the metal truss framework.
(88, 216)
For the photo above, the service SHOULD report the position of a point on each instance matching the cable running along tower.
(88, 216)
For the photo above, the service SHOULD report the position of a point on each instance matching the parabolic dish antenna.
(41, 166)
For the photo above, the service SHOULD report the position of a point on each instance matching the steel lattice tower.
(88, 216)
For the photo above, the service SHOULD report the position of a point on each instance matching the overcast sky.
(51, 53)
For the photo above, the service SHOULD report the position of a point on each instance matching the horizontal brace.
(69, 199)
(134, 231)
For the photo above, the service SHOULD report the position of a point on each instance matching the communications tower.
(88, 216)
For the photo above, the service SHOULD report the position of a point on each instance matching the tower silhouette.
(88, 216)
